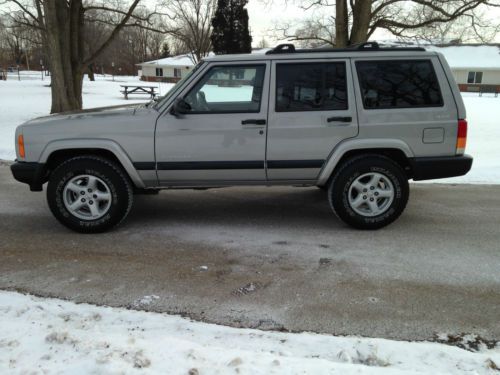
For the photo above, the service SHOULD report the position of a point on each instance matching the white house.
(474, 66)
(169, 69)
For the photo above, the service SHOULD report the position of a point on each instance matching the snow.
(39, 335)
(26, 99)
(180, 60)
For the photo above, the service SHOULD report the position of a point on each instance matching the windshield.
(161, 100)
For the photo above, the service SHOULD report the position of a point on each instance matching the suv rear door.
(311, 109)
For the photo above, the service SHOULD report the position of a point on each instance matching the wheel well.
(59, 156)
(394, 154)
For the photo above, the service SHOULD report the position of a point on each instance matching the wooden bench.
(489, 89)
(139, 90)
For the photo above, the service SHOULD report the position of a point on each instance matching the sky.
(265, 14)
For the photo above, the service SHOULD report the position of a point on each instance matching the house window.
(177, 72)
(159, 72)
(475, 77)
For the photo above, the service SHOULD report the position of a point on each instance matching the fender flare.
(102, 144)
(359, 144)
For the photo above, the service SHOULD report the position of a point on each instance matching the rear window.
(398, 84)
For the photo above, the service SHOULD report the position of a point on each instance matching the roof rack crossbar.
(361, 47)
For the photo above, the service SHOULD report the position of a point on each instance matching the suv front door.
(223, 136)
(312, 109)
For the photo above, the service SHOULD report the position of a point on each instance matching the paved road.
(274, 258)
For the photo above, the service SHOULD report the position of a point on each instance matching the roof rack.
(365, 47)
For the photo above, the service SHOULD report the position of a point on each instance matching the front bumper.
(33, 174)
(440, 167)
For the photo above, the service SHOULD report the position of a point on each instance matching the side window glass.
(398, 84)
(228, 89)
(311, 87)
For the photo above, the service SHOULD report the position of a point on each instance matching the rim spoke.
(76, 205)
(94, 210)
(373, 207)
(74, 187)
(374, 180)
(358, 201)
(92, 182)
(102, 196)
(384, 193)
(358, 186)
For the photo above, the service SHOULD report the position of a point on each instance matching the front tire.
(369, 192)
(89, 194)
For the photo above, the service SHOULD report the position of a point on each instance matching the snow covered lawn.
(26, 99)
(53, 336)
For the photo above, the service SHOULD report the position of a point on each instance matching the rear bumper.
(32, 174)
(440, 167)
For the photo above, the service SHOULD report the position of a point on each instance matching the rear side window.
(311, 87)
(398, 84)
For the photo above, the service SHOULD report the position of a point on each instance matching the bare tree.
(347, 22)
(192, 30)
(62, 24)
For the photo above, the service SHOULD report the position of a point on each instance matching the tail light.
(20, 144)
(461, 136)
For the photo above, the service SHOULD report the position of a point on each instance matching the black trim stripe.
(204, 165)
(145, 165)
(298, 164)
(213, 165)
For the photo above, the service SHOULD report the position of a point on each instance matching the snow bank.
(53, 336)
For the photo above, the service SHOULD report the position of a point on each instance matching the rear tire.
(369, 191)
(89, 194)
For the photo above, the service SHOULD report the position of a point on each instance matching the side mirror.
(180, 107)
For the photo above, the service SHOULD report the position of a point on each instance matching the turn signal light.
(20, 143)
(461, 136)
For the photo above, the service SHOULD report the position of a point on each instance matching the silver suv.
(358, 123)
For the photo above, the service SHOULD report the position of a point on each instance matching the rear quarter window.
(398, 84)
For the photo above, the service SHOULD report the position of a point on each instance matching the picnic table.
(140, 90)
(489, 89)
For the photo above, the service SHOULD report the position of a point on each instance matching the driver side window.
(228, 89)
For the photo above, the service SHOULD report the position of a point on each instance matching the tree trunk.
(64, 24)
(341, 24)
(361, 14)
(90, 72)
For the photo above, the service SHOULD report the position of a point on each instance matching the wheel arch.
(396, 150)
(58, 151)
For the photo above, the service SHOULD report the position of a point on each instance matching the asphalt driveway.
(273, 258)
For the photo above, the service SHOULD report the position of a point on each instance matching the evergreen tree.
(165, 51)
(230, 28)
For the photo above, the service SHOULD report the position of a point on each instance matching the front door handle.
(339, 119)
(253, 122)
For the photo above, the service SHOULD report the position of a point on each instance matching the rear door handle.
(253, 122)
(339, 119)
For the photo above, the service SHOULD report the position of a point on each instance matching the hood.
(100, 111)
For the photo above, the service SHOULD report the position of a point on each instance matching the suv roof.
(288, 51)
